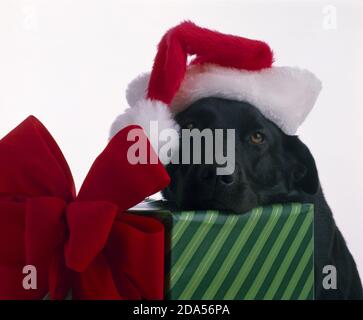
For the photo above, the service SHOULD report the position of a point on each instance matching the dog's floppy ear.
(304, 174)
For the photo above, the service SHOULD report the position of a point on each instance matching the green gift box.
(267, 253)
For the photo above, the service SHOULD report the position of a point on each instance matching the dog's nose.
(227, 179)
(207, 175)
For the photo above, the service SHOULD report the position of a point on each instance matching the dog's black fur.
(278, 168)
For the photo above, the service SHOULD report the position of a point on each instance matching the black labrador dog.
(270, 167)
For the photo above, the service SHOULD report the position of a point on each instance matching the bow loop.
(89, 225)
(114, 179)
(32, 165)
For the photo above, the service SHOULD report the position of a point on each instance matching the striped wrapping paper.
(266, 253)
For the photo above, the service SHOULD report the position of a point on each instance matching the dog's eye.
(257, 137)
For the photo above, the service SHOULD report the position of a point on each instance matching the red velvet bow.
(85, 243)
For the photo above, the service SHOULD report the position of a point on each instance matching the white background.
(69, 62)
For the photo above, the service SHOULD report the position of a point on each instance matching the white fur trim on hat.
(284, 95)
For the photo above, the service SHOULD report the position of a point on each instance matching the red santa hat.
(224, 66)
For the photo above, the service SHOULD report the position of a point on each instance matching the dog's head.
(270, 166)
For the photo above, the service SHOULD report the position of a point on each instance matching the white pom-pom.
(137, 89)
(145, 113)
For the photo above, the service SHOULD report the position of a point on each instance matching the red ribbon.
(85, 243)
